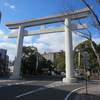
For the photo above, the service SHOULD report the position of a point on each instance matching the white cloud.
(96, 40)
(28, 39)
(53, 38)
(13, 30)
(1, 33)
(11, 48)
(77, 39)
(55, 42)
(27, 44)
(42, 47)
(11, 57)
(11, 6)
(5, 37)
(2, 36)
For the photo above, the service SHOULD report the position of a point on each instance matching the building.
(3, 53)
(52, 55)
(4, 60)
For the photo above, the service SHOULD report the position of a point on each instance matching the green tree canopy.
(60, 61)
(33, 61)
(86, 47)
(29, 59)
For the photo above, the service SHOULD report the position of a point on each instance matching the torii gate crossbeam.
(64, 17)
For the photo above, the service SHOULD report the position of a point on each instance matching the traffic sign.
(85, 54)
(86, 58)
(87, 62)
(87, 67)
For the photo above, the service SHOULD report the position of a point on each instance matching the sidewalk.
(93, 93)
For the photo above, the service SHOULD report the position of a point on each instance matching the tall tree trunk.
(97, 55)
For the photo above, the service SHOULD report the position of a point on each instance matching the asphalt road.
(38, 89)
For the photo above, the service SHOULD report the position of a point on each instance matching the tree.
(33, 61)
(49, 64)
(41, 63)
(60, 61)
(29, 59)
(86, 47)
(61, 66)
(95, 23)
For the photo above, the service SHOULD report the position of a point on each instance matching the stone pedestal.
(70, 80)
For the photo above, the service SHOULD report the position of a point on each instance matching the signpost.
(86, 64)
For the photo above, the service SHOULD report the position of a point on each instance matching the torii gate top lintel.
(82, 13)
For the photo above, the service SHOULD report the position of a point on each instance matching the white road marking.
(73, 91)
(23, 83)
(17, 83)
(58, 83)
(9, 84)
(39, 89)
(6, 80)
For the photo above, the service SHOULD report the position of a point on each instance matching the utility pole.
(79, 61)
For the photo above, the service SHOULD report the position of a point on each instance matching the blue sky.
(17, 10)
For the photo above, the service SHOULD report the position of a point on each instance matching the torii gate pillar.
(69, 53)
(17, 62)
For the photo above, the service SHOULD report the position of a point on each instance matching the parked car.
(79, 74)
(53, 73)
(63, 74)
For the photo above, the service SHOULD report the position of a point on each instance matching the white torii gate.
(64, 17)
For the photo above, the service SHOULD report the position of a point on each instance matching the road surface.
(38, 89)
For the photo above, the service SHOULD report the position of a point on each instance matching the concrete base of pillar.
(70, 80)
(15, 77)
